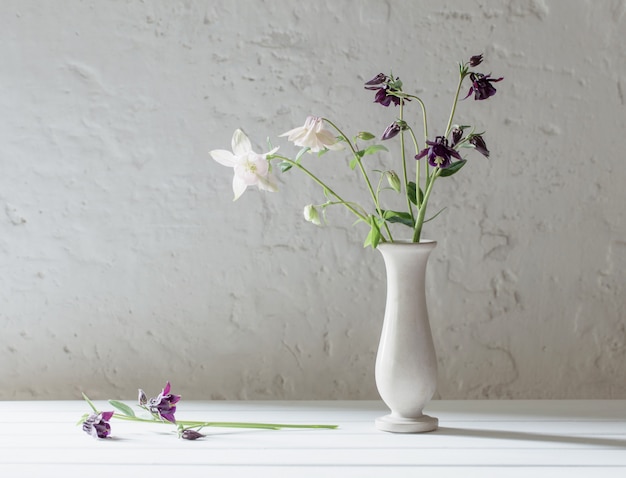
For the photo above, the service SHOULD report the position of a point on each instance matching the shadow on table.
(528, 436)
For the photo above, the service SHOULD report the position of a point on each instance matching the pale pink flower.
(251, 169)
(313, 135)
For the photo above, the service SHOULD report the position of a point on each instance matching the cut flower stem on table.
(161, 410)
(435, 157)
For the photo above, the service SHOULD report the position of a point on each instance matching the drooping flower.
(164, 405)
(481, 86)
(439, 153)
(384, 86)
(251, 169)
(479, 144)
(97, 424)
(392, 130)
(312, 215)
(476, 60)
(313, 135)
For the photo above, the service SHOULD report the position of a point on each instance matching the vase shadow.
(533, 437)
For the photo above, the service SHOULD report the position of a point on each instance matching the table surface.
(476, 438)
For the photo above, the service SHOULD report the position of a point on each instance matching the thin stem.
(422, 211)
(404, 168)
(454, 104)
(364, 173)
(196, 424)
(324, 185)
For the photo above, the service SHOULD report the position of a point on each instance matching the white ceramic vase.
(406, 364)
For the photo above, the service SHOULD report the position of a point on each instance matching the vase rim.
(408, 243)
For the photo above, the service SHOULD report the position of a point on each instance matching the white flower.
(313, 135)
(250, 168)
(311, 214)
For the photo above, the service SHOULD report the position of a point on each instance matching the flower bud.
(479, 143)
(392, 130)
(143, 399)
(476, 60)
(457, 134)
(189, 434)
(393, 180)
(312, 215)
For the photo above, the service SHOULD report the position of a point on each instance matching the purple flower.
(164, 405)
(457, 135)
(439, 153)
(384, 85)
(479, 144)
(189, 434)
(392, 130)
(481, 86)
(476, 60)
(97, 424)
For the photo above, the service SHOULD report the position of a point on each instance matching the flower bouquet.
(434, 157)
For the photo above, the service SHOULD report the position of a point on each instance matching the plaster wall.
(124, 261)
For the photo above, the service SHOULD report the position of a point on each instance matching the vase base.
(395, 424)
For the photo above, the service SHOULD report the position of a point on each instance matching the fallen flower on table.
(161, 409)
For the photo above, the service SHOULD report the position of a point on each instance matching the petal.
(224, 157)
(267, 183)
(166, 390)
(292, 132)
(239, 186)
(240, 143)
(422, 153)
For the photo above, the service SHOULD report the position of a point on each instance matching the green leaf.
(399, 217)
(353, 163)
(285, 166)
(375, 148)
(122, 407)
(373, 238)
(365, 136)
(431, 218)
(411, 191)
(415, 194)
(452, 169)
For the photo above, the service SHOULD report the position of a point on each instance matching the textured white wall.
(124, 261)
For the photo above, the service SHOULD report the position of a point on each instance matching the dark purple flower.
(439, 153)
(384, 98)
(479, 143)
(481, 86)
(97, 424)
(476, 60)
(164, 405)
(189, 434)
(384, 87)
(392, 130)
(457, 135)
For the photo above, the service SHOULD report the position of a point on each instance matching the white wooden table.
(475, 439)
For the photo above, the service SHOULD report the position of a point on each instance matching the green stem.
(422, 211)
(365, 176)
(201, 424)
(454, 104)
(404, 168)
(323, 185)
